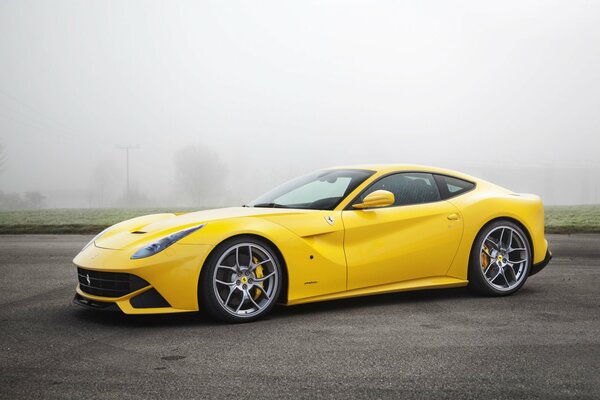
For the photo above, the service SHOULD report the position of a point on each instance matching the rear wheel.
(500, 259)
(241, 281)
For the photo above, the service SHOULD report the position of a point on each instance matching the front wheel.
(241, 281)
(500, 259)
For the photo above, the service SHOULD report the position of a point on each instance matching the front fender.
(315, 264)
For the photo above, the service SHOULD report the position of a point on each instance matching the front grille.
(108, 284)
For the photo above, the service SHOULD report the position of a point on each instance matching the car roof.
(390, 168)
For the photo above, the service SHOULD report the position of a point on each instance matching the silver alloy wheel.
(245, 279)
(504, 257)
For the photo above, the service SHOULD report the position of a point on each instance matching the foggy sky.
(509, 91)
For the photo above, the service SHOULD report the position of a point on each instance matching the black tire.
(477, 261)
(208, 290)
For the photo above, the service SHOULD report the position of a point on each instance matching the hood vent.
(138, 232)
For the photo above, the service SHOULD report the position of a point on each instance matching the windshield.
(321, 190)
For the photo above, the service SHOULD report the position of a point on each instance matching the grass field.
(68, 220)
(573, 219)
(559, 219)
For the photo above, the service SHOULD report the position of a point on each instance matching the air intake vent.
(149, 299)
(138, 232)
(109, 284)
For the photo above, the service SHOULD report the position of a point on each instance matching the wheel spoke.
(231, 290)
(254, 266)
(237, 257)
(495, 245)
(250, 260)
(510, 237)
(227, 267)
(492, 262)
(501, 237)
(264, 278)
(497, 274)
(516, 261)
(512, 272)
(505, 278)
(263, 291)
(225, 283)
(252, 300)
(241, 302)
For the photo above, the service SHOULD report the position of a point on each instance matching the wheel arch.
(283, 295)
(478, 282)
(505, 218)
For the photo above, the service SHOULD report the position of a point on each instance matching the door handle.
(453, 217)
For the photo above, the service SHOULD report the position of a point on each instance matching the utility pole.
(127, 148)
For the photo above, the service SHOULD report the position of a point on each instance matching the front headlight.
(161, 244)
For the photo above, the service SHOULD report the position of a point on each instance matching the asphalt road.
(543, 342)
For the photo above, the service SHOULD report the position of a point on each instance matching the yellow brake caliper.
(485, 259)
(258, 272)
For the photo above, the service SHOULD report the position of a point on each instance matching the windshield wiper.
(269, 205)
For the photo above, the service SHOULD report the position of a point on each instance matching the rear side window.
(408, 188)
(450, 186)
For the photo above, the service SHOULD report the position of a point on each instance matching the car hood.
(138, 231)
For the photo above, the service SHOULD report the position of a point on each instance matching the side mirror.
(379, 198)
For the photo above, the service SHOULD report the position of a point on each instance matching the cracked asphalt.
(543, 342)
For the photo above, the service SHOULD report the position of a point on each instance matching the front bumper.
(94, 305)
(170, 279)
(535, 268)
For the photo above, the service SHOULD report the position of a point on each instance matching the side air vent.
(138, 232)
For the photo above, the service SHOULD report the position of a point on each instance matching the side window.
(408, 188)
(453, 186)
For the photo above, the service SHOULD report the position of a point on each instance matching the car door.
(417, 237)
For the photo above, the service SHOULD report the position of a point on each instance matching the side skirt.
(437, 282)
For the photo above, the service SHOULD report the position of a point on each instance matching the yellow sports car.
(336, 233)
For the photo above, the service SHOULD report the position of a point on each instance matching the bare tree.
(200, 174)
(35, 199)
(11, 201)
